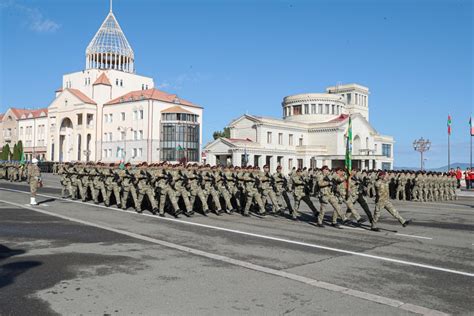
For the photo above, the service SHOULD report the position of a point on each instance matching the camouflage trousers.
(299, 195)
(251, 196)
(330, 199)
(149, 192)
(197, 192)
(385, 204)
(127, 191)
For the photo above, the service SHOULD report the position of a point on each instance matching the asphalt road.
(78, 258)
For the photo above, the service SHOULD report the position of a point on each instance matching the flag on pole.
(449, 124)
(179, 148)
(470, 125)
(348, 162)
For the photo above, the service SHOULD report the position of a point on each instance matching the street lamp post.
(124, 129)
(421, 145)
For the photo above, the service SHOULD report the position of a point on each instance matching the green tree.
(225, 133)
(20, 149)
(15, 153)
(6, 152)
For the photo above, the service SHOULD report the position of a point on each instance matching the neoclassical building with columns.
(108, 113)
(312, 133)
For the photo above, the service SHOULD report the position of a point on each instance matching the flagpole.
(449, 151)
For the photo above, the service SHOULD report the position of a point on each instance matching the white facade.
(95, 106)
(33, 133)
(311, 134)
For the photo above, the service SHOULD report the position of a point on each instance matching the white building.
(107, 112)
(33, 133)
(311, 134)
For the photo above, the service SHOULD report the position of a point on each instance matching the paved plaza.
(69, 257)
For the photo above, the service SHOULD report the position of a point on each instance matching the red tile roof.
(34, 113)
(59, 89)
(103, 79)
(176, 109)
(19, 112)
(1, 116)
(81, 96)
(340, 118)
(151, 94)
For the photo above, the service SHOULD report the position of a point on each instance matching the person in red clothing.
(469, 177)
(458, 176)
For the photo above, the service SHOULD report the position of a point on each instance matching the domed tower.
(109, 49)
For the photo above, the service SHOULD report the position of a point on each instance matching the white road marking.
(361, 254)
(312, 282)
(414, 236)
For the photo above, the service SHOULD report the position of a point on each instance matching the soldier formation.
(184, 189)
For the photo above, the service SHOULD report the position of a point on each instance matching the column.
(273, 164)
(236, 158)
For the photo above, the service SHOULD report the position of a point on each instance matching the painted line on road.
(312, 282)
(361, 254)
(414, 236)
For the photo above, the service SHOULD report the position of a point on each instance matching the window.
(290, 164)
(290, 139)
(297, 110)
(306, 109)
(105, 136)
(327, 109)
(105, 153)
(313, 108)
(300, 163)
(134, 152)
(386, 166)
(280, 138)
(110, 118)
(116, 82)
(21, 131)
(146, 87)
(123, 116)
(320, 109)
(121, 82)
(349, 98)
(143, 87)
(110, 136)
(269, 137)
(141, 115)
(135, 135)
(333, 109)
(135, 115)
(356, 98)
(109, 154)
(140, 152)
(300, 142)
(122, 135)
(387, 150)
(140, 134)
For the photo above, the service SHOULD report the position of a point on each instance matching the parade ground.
(71, 257)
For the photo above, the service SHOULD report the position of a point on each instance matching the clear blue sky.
(234, 57)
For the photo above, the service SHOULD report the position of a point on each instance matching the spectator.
(469, 178)
(458, 176)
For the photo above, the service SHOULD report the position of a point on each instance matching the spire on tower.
(111, 5)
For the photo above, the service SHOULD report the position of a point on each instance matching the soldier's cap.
(112, 164)
(249, 168)
(381, 174)
(279, 168)
(236, 168)
(324, 168)
(266, 166)
(207, 165)
(256, 168)
(304, 168)
(298, 170)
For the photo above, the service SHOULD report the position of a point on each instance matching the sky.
(237, 57)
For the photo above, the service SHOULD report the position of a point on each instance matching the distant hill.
(454, 165)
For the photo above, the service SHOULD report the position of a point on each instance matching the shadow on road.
(46, 201)
(9, 271)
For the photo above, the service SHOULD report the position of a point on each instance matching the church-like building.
(312, 133)
(108, 113)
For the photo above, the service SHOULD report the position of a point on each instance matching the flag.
(470, 125)
(22, 159)
(179, 148)
(449, 124)
(348, 162)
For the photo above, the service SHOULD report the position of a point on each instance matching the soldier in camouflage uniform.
(128, 185)
(382, 200)
(301, 192)
(112, 185)
(250, 180)
(266, 190)
(401, 186)
(280, 185)
(325, 184)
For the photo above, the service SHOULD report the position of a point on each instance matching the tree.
(20, 149)
(225, 133)
(15, 153)
(5, 152)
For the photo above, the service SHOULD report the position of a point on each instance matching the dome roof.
(110, 39)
